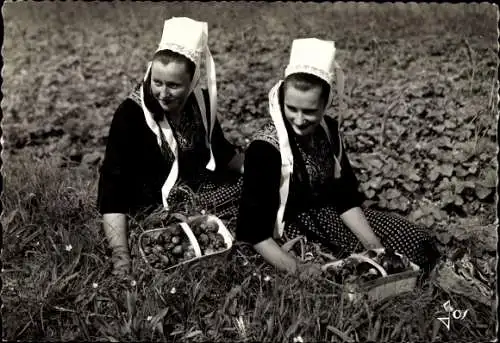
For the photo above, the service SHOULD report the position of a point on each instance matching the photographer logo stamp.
(452, 313)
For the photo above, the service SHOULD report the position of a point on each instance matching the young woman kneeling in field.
(298, 179)
(166, 133)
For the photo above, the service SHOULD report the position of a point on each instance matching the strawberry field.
(420, 130)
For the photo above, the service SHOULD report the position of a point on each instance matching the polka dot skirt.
(324, 225)
(220, 198)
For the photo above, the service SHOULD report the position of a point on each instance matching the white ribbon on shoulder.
(286, 157)
(212, 94)
(172, 143)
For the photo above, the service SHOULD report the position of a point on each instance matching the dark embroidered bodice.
(318, 160)
(317, 157)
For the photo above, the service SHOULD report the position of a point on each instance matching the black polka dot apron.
(324, 225)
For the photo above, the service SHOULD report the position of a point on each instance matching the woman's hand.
(282, 260)
(355, 220)
(276, 256)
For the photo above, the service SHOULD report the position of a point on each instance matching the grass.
(57, 284)
(66, 72)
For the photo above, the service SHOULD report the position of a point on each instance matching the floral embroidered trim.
(190, 130)
(193, 55)
(136, 95)
(269, 134)
(292, 69)
(318, 161)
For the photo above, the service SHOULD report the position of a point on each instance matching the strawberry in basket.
(166, 247)
(388, 259)
(391, 262)
(207, 234)
(353, 270)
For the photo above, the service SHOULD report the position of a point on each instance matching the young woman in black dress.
(298, 179)
(166, 133)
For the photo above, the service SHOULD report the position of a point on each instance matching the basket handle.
(223, 231)
(372, 262)
(192, 239)
(289, 245)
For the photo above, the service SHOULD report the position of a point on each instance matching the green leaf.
(387, 182)
(131, 300)
(407, 158)
(393, 205)
(489, 178)
(429, 221)
(444, 142)
(472, 169)
(458, 200)
(193, 334)
(393, 194)
(365, 186)
(447, 197)
(439, 128)
(416, 215)
(434, 174)
(404, 203)
(413, 176)
(370, 193)
(375, 182)
(435, 151)
(445, 184)
(450, 124)
(386, 170)
(364, 178)
(443, 237)
(459, 156)
(410, 186)
(460, 186)
(439, 215)
(482, 192)
(485, 156)
(375, 163)
(383, 203)
(364, 124)
(469, 184)
(446, 170)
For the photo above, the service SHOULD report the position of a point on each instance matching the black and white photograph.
(249, 171)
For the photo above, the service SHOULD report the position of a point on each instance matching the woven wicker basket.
(382, 288)
(223, 231)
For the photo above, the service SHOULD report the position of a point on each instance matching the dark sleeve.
(346, 189)
(113, 196)
(348, 194)
(222, 149)
(260, 196)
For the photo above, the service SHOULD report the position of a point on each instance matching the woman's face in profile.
(303, 109)
(170, 84)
